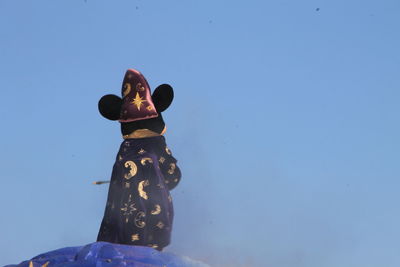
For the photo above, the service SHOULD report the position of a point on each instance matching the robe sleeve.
(169, 169)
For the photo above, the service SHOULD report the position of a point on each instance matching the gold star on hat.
(138, 101)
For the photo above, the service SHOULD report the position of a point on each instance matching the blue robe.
(139, 207)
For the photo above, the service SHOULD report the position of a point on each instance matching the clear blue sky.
(285, 123)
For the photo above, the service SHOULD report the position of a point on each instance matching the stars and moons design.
(139, 219)
(138, 101)
(128, 208)
(135, 237)
(127, 89)
(160, 225)
(139, 87)
(144, 160)
(132, 169)
(172, 168)
(141, 191)
(157, 210)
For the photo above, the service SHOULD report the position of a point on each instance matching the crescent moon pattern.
(139, 87)
(127, 90)
(133, 169)
(141, 186)
(167, 150)
(157, 210)
(172, 167)
(143, 161)
(139, 222)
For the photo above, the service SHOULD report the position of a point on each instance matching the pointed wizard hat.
(136, 98)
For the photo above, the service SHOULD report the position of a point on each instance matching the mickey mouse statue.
(139, 207)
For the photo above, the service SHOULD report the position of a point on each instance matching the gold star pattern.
(141, 151)
(160, 225)
(135, 237)
(161, 160)
(129, 208)
(138, 101)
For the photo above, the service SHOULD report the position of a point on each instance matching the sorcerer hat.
(136, 98)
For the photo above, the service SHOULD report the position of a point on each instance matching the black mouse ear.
(162, 97)
(110, 107)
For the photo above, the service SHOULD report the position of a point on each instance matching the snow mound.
(103, 254)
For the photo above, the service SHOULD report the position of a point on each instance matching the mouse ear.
(162, 97)
(110, 107)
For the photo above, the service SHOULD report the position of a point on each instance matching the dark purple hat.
(136, 98)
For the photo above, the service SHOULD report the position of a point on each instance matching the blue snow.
(103, 254)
